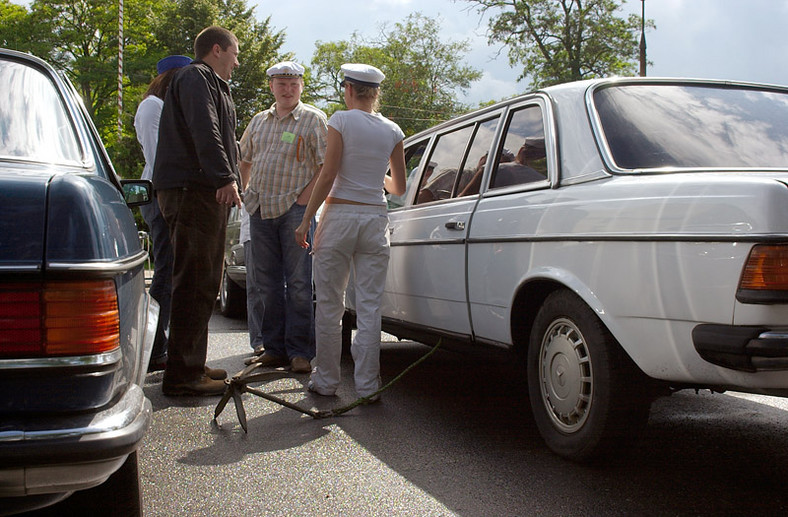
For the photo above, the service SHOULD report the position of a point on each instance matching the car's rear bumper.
(749, 349)
(65, 453)
(238, 275)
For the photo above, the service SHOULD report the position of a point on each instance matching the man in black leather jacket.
(196, 180)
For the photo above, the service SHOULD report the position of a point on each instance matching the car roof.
(573, 134)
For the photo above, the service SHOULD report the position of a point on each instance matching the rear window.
(661, 125)
(34, 124)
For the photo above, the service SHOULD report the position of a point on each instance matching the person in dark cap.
(146, 125)
(522, 170)
(282, 150)
(195, 176)
(353, 230)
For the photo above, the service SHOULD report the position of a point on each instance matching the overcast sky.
(720, 39)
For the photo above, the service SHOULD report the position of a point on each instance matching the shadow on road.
(460, 429)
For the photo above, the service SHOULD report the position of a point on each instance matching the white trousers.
(349, 236)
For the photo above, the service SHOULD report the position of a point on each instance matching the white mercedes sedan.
(626, 237)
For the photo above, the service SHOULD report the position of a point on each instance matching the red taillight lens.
(58, 318)
(766, 269)
(20, 320)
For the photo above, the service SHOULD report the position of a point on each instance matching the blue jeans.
(254, 302)
(161, 284)
(283, 273)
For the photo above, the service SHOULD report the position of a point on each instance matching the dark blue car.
(76, 323)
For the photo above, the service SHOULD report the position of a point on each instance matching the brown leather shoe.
(216, 374)
(203, 387)
(267, 360)
(300, 365)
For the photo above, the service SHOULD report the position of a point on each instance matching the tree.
(81, 37)
(259, 45)
(14, 27)
(325, 76)
(423, 72)
(557, 41)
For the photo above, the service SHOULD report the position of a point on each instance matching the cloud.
(725, 39)
(491, 88)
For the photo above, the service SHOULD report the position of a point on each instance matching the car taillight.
(765, 275)
(58, 318)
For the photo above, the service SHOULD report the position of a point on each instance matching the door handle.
(455, 225)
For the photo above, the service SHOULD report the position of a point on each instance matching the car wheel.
(232, 298)
(588, 398)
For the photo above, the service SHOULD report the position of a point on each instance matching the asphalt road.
(453, 437)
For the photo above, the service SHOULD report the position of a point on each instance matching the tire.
(588, 398)
(232, 298)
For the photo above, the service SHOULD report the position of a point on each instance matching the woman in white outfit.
(353, 229)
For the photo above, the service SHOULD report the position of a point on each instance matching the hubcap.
(565, 375)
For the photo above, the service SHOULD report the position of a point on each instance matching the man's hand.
(228, 195)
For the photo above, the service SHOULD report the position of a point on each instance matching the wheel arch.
(533, 291)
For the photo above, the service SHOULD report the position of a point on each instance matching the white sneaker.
(320, 391)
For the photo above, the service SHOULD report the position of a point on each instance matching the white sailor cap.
(365, 75)
(286, 69)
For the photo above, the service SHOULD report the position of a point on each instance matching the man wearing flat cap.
(282, 151)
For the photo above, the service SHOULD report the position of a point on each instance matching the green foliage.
(180, 23)
(423, 72)
(260, 47)
(557, 41)
(553, 40)
(80, 37)
(14, 33)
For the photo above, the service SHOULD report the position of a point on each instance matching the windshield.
(664, 125)
(34, 124)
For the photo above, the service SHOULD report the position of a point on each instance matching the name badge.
(288, 137)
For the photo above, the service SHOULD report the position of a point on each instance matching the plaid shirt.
(285, 154)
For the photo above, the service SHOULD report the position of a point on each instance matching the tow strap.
(239, 384)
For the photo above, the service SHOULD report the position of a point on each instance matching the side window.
(522, 158)
(438, 179)
(472, 172)
(413, 156)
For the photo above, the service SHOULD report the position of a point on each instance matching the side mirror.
(137, 192)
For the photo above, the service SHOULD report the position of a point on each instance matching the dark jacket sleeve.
(206, 112)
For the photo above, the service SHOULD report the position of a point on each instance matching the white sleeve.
(146, 124)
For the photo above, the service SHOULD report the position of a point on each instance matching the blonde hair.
(367, 92)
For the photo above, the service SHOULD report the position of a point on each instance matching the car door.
(516, 193)
(426, 285)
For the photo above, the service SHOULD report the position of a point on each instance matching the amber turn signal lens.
(766, 268)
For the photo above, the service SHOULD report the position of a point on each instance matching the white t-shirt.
(367, 142)
(146, 124)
